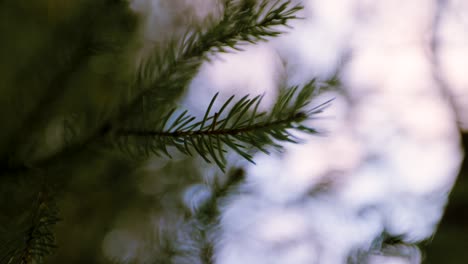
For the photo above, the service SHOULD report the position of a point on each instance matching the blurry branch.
(209, 212)
(37, 240)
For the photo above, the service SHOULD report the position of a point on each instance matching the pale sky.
(392, 151)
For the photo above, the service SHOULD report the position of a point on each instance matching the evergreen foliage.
(79, 115)
(240, 129)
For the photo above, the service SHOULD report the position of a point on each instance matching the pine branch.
(159, 82)
(243, 21)
(166, 73)
(209, 213)
(240, 129)
(38, 240)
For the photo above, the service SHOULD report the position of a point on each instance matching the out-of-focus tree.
(82, 107)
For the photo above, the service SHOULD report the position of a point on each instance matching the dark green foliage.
(58, 59)
(68, 71)
(73, 96)
(39, 239)
(32, 238)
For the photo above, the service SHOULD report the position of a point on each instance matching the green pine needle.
(239, 129)
(171, 66)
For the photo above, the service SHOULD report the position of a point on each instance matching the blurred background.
(393, 148)
(386, 182)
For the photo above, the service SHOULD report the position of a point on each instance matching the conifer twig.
(169, 68)
(240, 129)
